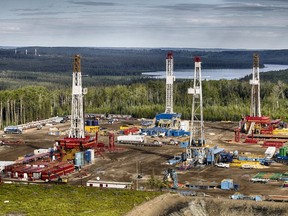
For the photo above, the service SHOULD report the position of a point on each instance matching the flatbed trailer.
(142, 144)
(268, 136)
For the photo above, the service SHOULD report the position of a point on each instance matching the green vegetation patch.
(68, 200)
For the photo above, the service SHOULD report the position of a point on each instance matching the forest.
(27, 95)
(125, 61)
(222, 100)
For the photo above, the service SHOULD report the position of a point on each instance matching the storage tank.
(95, 123)
(184, 125)
(79, 159)
(270, 151)
(88, 122)
(87, 157)
(92, 154)
(282, 152)
(184, 156)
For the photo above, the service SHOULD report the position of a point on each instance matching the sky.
(242, 24)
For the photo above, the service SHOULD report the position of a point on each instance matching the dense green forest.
(123, 62)
(223, 100)
(37, 87)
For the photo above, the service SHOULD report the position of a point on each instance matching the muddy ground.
(123, 165)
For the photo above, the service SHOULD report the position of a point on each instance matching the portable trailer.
(139, 140)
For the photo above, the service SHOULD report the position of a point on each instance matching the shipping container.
(227, 184)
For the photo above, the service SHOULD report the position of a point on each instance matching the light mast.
(255, 109)
(169, 83)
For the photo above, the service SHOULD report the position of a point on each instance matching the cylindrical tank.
(88, 122)
(79, 159)
(184, 156)
(282, 152)
(95, 123)
(88, 156)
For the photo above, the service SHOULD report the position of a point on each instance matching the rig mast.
(255, 109)
(197, 138)
(77, 114)
(169, 83)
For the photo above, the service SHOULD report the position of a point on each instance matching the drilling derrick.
(255, 109)
(169, 83)
(197, 125)
(77, 116)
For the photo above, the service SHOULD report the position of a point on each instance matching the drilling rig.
(255, 109)
(76, 140)
(197, 139)
(255, 125)
(169, 83)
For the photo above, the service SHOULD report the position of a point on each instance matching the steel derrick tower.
(169, 83)
(255, 108)
(77, 114)
(197, 138)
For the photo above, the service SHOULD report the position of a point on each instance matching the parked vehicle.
(247, 166)
(222, 165)
(13, 130)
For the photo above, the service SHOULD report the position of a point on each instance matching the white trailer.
(270, 151)
(109, 184)
(139, 140)
(131, 139)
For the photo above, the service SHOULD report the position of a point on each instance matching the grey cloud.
(187, 7)
(245, 5)
(26, 10)
(250, 7)
(92, 3)
(39, 13)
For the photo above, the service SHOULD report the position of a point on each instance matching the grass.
(68, 200)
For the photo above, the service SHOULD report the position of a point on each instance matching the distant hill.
(128, 61)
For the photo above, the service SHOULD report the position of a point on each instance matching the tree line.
(123, 62)
(222, 100)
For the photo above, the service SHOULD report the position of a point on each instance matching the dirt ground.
(125, 164)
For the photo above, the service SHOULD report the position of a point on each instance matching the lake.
(216, 74)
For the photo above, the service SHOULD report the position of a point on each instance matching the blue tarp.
(168, 116)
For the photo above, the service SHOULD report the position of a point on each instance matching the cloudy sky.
(249, 24)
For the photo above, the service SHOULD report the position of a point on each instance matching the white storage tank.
(184, 125)
(41, 151)
(270, 151)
